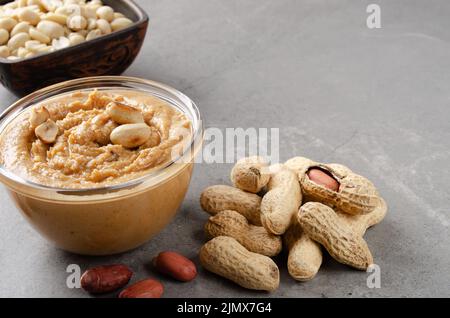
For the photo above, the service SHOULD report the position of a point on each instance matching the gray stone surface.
(376, 100)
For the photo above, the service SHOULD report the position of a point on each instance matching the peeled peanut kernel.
(39, 36)
(58, 18)
(93, 34)
(33, 45)
(51, 29)
(105, 12)
(45, 49)
(120, 23)
(77, 22)
(51, 5)
(29, 16)
(322, 178)
(104, 26)
(4, 36)
(67, 10)
(30, 54)
(47, 131)
(124, 114)
(21, 3)
(91, 24)
(61, 43)
(89, 12)
(18, 40)
(4, 51)
(118, 15)
(7, 23)
(34, 2)
(131, 135)
(76, 38)
(39, 115)
(22, 52)
(20, 27)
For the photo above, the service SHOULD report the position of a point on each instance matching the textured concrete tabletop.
(377, 100)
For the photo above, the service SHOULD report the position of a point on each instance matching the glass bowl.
(113, 219)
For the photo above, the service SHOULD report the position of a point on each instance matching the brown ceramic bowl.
(110, 54)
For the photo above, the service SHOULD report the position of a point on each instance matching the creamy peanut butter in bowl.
(99, 165)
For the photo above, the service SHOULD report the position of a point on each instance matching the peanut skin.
(105, 279)
(175, 265)
(281, 203)
(250, 174)
(219, 198)
(254, 238)
(225, 257)
(324, 226)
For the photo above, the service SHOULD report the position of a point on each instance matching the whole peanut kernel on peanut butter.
(322, 178)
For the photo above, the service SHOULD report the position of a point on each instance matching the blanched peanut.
(52, 22)
(39, 115)
(29, 16)
(22, 52)
(104, 26)
(7, 23)
(33, 45)
(21, 27)
(47, 131)
(124, 114)
(4, 36)
(118, 15)
(93, 34)
(21, 3)
(77, 22)
(39, 36)
(51, 5)
(4, 51)
(106, 13)
(76, 38)
(120, 23)
(51, 29)
(89, 12)
(17, 41)
(131, 135)
(68, 10)
(60, 43)
(58, 18)
(34, 2)
(91, 24)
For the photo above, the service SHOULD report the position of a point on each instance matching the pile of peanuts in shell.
(33, 27)
(301, 205)
(132, 131)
